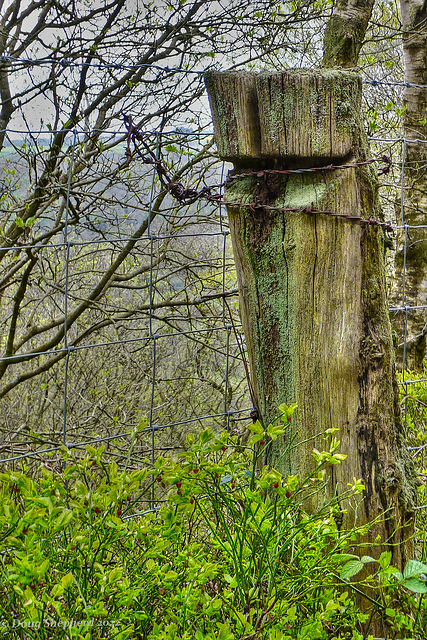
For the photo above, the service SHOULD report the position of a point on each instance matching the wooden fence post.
(313, 297)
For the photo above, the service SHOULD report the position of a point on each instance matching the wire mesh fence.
(119, 306)
(126, 337)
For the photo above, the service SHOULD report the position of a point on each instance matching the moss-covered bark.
(345, 32)
(313, 295)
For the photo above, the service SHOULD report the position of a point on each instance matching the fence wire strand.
(69, 350)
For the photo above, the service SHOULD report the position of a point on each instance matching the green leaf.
(142, 424)
(257, 438)
(43, 567)
(171, 575)
(415, 585)
(343, 557)
(292, 408)
(231, 581)
(44, 501)
(224, 632)
(287, 412)
(115, 574)
(67, 580)
(366, 559)
(63, 519)
(414, 568)
(330, 432)
(394, 572)
(385, 559)
(206, 436)
(80, 488)
(190, 439)
(275, 432)
(256, 427)
(291, 614)
(351, 568)
(57, 590)
(338, 456)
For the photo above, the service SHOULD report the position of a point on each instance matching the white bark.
(411, 286)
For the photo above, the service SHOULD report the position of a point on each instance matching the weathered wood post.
(312, 286)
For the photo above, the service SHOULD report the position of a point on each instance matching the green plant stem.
(365, 595)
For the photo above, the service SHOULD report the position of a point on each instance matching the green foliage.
(227, 554)
(414, 575)
(224, 551)
(414, 406)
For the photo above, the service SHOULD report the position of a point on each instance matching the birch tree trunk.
(312, 286)
(345, 32)
(411, 256)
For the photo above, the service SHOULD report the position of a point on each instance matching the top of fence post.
(292, 115)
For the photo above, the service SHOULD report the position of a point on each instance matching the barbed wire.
(330, 167)
(312, 210)
(186, 195)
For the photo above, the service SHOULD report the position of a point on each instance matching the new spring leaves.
(414, 575)
(272, 431)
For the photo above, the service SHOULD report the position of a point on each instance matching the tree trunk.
(410, 288)
(312, 286)
(345, 32)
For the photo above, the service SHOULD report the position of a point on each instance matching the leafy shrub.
(222, 552)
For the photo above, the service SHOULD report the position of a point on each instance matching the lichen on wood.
(308, 115)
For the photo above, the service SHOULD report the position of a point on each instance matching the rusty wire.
(186, 195)
(330, 167)
(311, 210)
(181, 193)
